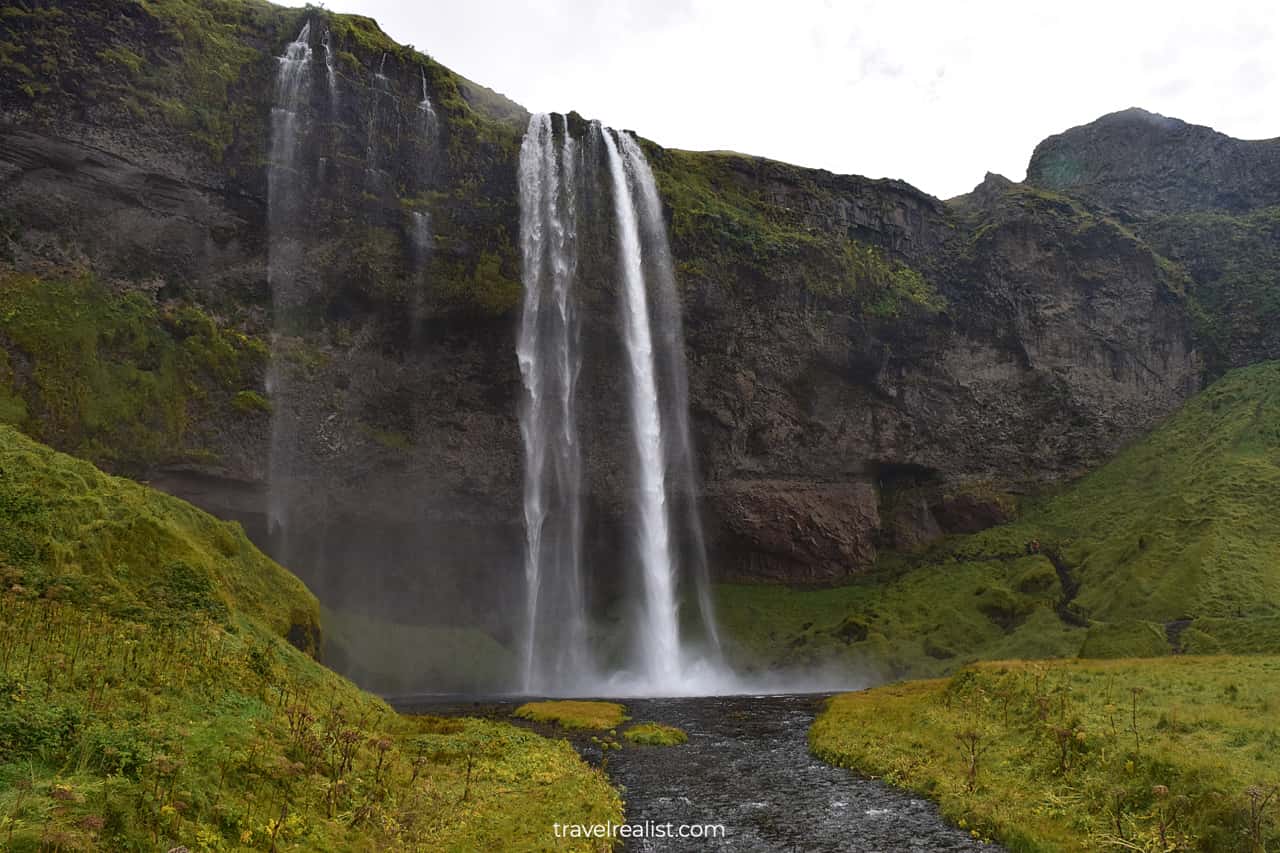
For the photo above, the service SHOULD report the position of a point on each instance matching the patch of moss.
(574, 713)
(655, 734)
(251, 402)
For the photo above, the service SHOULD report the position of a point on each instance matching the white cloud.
(933, 93)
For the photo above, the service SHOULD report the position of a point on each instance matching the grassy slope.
(1060, 767)
(1179, 528)
(148, 698)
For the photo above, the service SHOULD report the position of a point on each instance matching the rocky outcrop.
(1140, 163)
(869, 367)
(1206, 201)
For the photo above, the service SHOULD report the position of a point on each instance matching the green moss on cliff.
(177, 62)
(1235, 264)
(725, 228)
(1177, 532)
(149, 699)
(112, 375)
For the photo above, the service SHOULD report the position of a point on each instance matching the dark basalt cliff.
(869, 366)
(1206, 201)
(1140, 164)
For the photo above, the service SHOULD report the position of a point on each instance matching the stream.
(747, 766)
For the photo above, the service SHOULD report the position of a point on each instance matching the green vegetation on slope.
(726, 223)
(115, 377)
(1173, 545)
(1235, 262)
(1150, 755)
(149, 699)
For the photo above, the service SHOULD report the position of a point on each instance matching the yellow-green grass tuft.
(574, 714)
(655, 734)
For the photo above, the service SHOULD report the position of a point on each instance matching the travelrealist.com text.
(647, 829)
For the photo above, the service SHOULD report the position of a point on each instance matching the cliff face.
(1204, 200)
(868, 366)
(1139, 163)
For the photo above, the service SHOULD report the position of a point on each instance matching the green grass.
(1178, 527)
(1167, 754)
(574, 713)
(655, 734)
(156, 690)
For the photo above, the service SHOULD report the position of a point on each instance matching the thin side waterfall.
(660, 635)
(668, 324)
(286, 191)
(420, 244)
(380, 127)
(326, 41)
(425, 105)
(556, 656)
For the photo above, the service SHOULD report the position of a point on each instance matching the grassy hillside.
(156, 690)
(1173, 545)
(1146, 755)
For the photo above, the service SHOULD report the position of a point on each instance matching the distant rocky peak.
(1141, 163)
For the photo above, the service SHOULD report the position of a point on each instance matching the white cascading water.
(383, 121)
(425, 106)
(286, 191)
(668, 325)
(660, 632)
(556, 656)
(326, 41)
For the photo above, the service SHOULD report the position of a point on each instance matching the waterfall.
(381, 98)
(326, 41)
(668, 324)
(660, 633)
(286, 195)
(425, 105)
(663, 511)
(556, 655)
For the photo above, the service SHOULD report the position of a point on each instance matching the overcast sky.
(934, 93)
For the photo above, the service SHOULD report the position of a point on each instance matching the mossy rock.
(655, 734)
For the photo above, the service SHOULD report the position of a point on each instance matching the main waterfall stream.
(557, 655)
